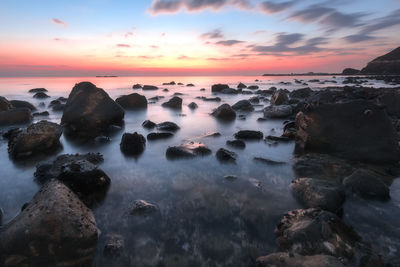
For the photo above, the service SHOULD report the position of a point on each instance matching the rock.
(282, 259)
(165, 90)
(230, 177)
(15, 116)
(281, 111)
(208, 99)
(367, 184)
(158, 136)
(190, 85)
(38, 90)
(180, 83)
(315, 231)
(55, 229)
(137, 86)
(244, 105)
(189, 150)
(44, 113)
(132, 101)
(132, 144)
(5, 104)
(253, 87)
(350, 71)
(316, 193)
(90, 111)
(140, 207)
(37, 138)
(170, 83)
(348, 130)
(177, 93)
(54, 102)
(386, 64)
(268, 161)
(148, 124)
(224, 112)
(225, 155)
(202, 89)
(249, 134)
(168, 126)
(279, 98)
(213, 134)
(149, 87)
(62, 99)
(174, 103)
(254, 100)
(59, 107)
(241, 86)
(236, 143)
(102, 139)
(193, 105)
(216, 88)
(114, 246)
(229, 91)
(40, 95)
(277, 138)
(301, 93)
(391, 101)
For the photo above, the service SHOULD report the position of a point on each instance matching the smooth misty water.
(203, 219)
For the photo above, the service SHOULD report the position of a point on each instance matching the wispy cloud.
(228, 42)
(123, 45)
(59, 22)
(271, 7)
(214, 34)
(174, 6)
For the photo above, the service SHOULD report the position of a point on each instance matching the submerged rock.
(158, 136)
(44, 113)
(132, 101)
(241, 86)
(37, 138)
(282, 259)
(253, 87)
(229, 91)
(114, 247)
(236, 143)
(193, 105)
(244, 105)
(174, 103)
(38, 90)
(137, 86)
(148, 124)
(142, 207)
(90, 111)
(224, 112)
(268, 161)
(22, 104)
(216, 88)
(15, 116)
(132, 144)
(249, 135)
(301, 93)
(149, 87)
(168, 126)
(40, 95)
(281, 111)
(225, 155)
(55, 229)
(189, 150)
(5, 104)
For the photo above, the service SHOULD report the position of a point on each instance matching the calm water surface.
(203, 219)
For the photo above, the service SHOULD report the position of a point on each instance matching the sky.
(193, 37)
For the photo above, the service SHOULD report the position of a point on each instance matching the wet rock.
(38, 90)
(38, 114)
(170, 83)
(174, 103)
(58, 107)
(177, 93)
(140, 207)
(189, 150)
(243, 105)
(132, 101)
(148, 124)
(158, 136)
(214, 134)
(249, 135)
(137, 86)
(55, 229)
(268, 161)
(40, 95)
(224, 112)
(209, 99)
(102, 139)
(62, 99)
(279, 98)
(254, 100)
(202, 89)
(37, 138)
(316, 193)
(230, 177)
(229, 91)
(281, 111)
(165, 90)
(190, 85)
(149, 87)
(15, 116)
(315, 231)
(241, 86)
(253, 87)
(22, 104)
(90, 111)
(225, 155)
(277, 138)
(180, 83)
(5, 104)
(348, 130)
(114, 247)
(54, 102)
(236, 144)
(301, 93)
(216, 88)
(282, 259)
(367, 184)
(168, 126)
(132, 144)
(193, 105)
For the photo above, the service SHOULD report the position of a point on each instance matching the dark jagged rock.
(241, 86)
(137, 86)
(22, 104)
(168, 126)
(249, 135)
(37, 138)
(349, 130)
(158, 136)
(279, 98)
(15, 116)
(140, 207)
(281, 111)
(114, 246)
(5, 104)
(350, 71)
(38, 90)
(40, 95)
(244, 105)
(55, 229)
(301, 93)
(90, 111)
(132, 144)
(236, 143)
(282, 259)
(132, 101)
(216, 88)
(225, 155)
(193, 105)
(314, 231)
(367, 184)
(316, 193)
(38, 114)
(149, 87)
(386, 64)
(254, 100)
(148, 124)
(189, 150)
(174, 103)
(268, 161)
(224, 112)
(58, 107)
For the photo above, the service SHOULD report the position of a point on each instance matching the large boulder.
(386, 64)
(5, 104)
(189, 150)
(168, 126)
(282, 259)
(149, 87)
(224, 112)
(281, 111)
(356, 130)
(174, 103)
(22, 104)
(249, 135)
(55, 229)
(216, 88)
(367, 184)
(132, 144)
(279, 98)
(244, 105)
(37, 138)
(15, 116)
(301, 93)
(132, 101)
(90, 111)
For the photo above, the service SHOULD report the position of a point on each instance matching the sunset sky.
(192, 37)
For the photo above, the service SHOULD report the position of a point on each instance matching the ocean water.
(203, 219)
